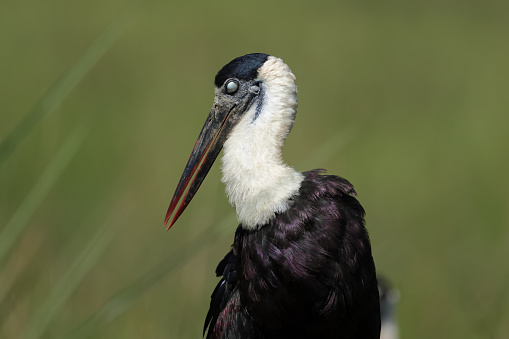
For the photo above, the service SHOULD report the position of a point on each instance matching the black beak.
(219, 123)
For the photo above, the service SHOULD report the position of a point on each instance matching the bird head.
(239, 90)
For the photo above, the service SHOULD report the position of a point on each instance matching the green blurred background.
(100, 105)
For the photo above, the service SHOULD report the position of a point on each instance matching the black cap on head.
(243, 68)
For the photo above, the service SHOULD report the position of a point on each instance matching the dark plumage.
(244, 68)
(309, 273)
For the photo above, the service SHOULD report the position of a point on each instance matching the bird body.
(308, 273)
(301, 263)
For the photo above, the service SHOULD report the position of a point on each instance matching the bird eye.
(231, 87)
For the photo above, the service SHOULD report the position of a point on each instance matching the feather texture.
(258, 182)
(307, 273)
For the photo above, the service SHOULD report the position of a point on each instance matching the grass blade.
(69, 282)
(67, 82)
(122, 301)
(34, 198)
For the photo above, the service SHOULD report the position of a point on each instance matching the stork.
(300, 265)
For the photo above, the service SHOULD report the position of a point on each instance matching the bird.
(301, 263)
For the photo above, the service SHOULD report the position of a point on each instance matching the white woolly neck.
(258, 182)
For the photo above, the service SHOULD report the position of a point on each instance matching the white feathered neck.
(258, 182)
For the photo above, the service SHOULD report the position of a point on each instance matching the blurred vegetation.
(100, 105)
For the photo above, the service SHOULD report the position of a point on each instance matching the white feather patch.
(258, 182)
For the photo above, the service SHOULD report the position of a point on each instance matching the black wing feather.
(309, 273)
(226, 269)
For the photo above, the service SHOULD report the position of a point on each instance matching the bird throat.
(258, 183)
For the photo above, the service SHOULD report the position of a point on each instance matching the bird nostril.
(254, 89)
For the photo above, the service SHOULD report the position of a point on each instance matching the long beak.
(218, 125)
